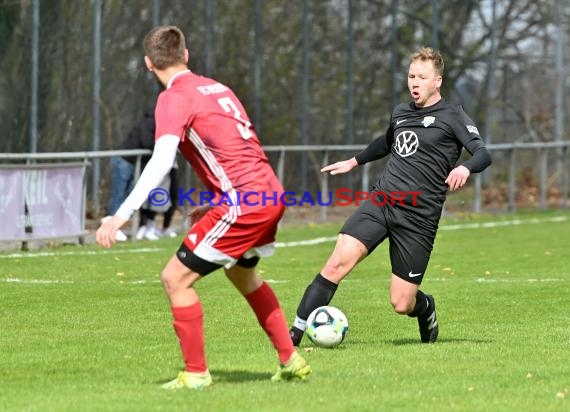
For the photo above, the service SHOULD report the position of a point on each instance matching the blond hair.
(165, 46)
(429, 54)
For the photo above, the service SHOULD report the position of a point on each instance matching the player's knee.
(402, 305)
(170, 281)
(166, 279)
(336, 268)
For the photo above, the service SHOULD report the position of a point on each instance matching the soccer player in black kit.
(424, 141)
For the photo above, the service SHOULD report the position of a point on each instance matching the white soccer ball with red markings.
(327, 326)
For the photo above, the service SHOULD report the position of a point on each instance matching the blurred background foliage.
(221, 37)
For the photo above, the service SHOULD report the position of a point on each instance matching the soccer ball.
(327, 326)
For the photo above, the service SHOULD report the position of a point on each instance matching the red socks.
(271, 318)
(189, 327)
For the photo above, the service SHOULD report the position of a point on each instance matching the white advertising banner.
(41, 202)
(54, 198)
(11, 204)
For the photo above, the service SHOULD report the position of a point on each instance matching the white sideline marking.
(79, 253)
(36, 281)
(485, 280)
(144, 282)
(483, 225)
(71, 282)
(307, 242)
(515, 222)
(141, 282)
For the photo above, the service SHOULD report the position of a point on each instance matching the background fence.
(519, 186)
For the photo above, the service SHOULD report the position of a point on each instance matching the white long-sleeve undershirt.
(155, 170)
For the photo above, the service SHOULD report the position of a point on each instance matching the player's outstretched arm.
(344, 166)
(158, 166)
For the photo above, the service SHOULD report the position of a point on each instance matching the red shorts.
(223, 234)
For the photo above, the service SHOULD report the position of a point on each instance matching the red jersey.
(216, 135)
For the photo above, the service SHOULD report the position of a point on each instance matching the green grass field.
(83, 329)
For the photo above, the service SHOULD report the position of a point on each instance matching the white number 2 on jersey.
(243, 126)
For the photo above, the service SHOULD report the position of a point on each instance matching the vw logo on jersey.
(406, 143)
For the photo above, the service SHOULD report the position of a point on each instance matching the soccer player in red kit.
(205, 121)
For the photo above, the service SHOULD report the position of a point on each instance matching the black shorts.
(204, 267)
(410, 245)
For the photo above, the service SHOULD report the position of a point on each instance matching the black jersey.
(425, 143)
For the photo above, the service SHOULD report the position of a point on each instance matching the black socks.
(319, 293)
(421, 305)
